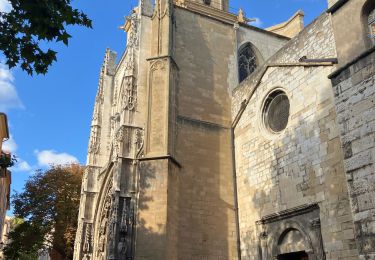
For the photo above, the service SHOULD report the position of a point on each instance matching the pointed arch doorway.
(292, 234)
(292, 245)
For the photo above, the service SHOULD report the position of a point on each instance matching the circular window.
(276, 111)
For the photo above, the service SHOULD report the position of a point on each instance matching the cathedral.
(214, 139)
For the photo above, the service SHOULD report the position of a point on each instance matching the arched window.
(247, 61)
(368, 18)
(371, 24)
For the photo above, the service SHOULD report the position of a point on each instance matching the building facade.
(5, 174)
(214, 139)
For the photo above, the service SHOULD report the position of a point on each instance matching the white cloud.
(10, 145)
(257, 22)
(21, 166)
(5, 6)
(47, 158)
(8, 94)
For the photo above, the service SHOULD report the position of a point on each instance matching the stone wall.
(354, 89)
(154, 219)
(204, 52)
(291, 27)
(351, 30)
(277, 174)
(266, 43)
(316, 41)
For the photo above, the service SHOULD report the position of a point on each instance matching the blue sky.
(50, 115)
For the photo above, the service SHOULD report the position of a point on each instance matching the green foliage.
(31, 22)
(49, 205)
(26, 240)
(7, 160)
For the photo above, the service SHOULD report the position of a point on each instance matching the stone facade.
(5, 174)
(354, 89)
(291, 27)
(301, 165)
(184, 164)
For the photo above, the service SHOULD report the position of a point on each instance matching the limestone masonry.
(215, 139)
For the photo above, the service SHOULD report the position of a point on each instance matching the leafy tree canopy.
(29, 23)
(49, 205)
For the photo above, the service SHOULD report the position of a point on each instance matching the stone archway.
(292, 245)
(291, 234)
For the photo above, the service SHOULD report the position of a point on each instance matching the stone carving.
(303, 219)
(77, 242)
(118, 141)
(133, 31)
(158, 65)
(86, 257)
(99, 95)
(146, 7)
(96, 114)
(315, 223)
(129, 61)
(112, 229)
(88, 239)
(94, 140)
(180, 3)
(122, 247)
(129, 94)
(104, 221)
(115, 96)
(126, 224)
(139, 140)
(263, 235)
(115, 120)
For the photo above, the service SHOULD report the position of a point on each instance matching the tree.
(29, 24)
(25, 241)
(49, 205)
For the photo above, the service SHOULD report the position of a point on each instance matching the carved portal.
(118, 142)
(104, 223)
(291, 231)
(125, 246)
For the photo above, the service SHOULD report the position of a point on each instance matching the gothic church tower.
(159, 182)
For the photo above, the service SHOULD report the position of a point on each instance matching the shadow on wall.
(144, 232)
(200, 218)
(205, 217)
(301, 166)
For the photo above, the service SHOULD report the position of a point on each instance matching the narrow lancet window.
(371, 24)
(247, 61)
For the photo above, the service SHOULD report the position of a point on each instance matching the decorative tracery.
(371, 24)
(247, 61)
(104, 222)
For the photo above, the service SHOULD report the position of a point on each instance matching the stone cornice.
(222, 16)
(215, 13)
(288, 213)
